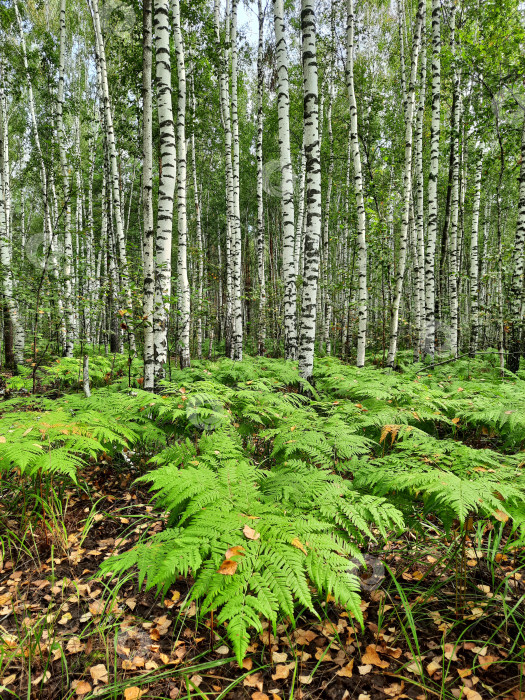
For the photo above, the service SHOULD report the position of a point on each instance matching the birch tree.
(184, 287)
(148, 240)
(287, 193)
(408, 102)
(358, 189)
(167, 177)
(430, 253)
(261, 273)
(313, 190)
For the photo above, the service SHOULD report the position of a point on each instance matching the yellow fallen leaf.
(99, 674)
(364, 669)
(228, 567)
(296, 542)
(82, 687)
(372, 657)
(346, 671)
(281, 671)
(250, 533)
(134, 693)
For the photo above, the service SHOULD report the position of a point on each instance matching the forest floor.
(443, 614)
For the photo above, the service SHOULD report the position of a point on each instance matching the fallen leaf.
(99, 673)
(281, 671)
(450, 652)
(259, 696)
(75, 646)
(363, 670)
(82, 687)
(363, 696)
(222, 650)
(228, 567)
(134, 693)
(279, 657)
(486, 661)
(306, 680)
(254, 681)
(296, 542)
(8, 679)
(250, 533)
(471, 694)
(464, 672)
(247, 664)
(346, 671)
(372, 657)
(233, 551)
(432, 667)
(500, 515)
(196, 680)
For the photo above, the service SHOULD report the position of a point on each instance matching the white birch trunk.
(430, 253)
(474, 258)
(313, 189)
(167, 179)
(148, 240)
(407, 187)
(184, 287)
(287, 194)
(260, 201)
(115, 184)
(358, 190)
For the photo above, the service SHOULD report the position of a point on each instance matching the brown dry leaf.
(228, 567)
(75, 646)
(164, 658)
(304, 636)
(279, 657)
(42, 678)
(247, 664)
(134, 693)
(99, 674)
(8, 679)
(363, 696)
(305, 680)
(500, 515)
(254, 681)
(450, 652)
(128, 665)
(372, 657)
(65, 619)
(233, 551)
(464, 672)
(391, 651)
(250, 533)
(139, 662)
(196, 680)
(432, 667)
(363, 670)
(281, 671)
(296, 542)
(259, 696)
(487, 661)
(97, 608)
(131, 603)
(223, 650)
(82, 687)
(346, 671)
(395, 691)
(471, 694)
(154, 634)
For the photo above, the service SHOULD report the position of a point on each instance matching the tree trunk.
(313, 190)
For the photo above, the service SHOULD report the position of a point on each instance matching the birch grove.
(183, 181)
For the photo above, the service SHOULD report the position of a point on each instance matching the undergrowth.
(274, 488)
